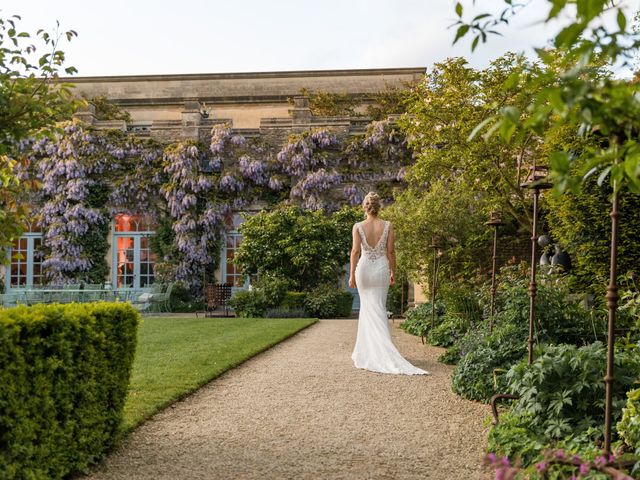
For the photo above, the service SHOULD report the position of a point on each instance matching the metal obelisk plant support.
(534, 182)
(494, 221)
(612, 303)
(434, 245)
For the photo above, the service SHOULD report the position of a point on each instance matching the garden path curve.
(302, 411)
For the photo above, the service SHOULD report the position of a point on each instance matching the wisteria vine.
(197, 187)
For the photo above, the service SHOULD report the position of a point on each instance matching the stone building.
(169, 108)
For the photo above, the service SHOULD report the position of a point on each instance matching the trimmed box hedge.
(64, 375)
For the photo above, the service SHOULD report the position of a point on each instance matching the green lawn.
(176, 356)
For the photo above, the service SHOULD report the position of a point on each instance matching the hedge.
(64, 375)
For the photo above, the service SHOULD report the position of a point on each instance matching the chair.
(92, 292)
(71, 296)
(33, 297)
(217, 295)
(8, 300)
(161, 300)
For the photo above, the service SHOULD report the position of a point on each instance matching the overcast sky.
(128, 37)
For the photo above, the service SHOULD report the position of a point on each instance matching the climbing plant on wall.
(189, 188)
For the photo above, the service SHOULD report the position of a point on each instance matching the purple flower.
(584, 469)
(541, 467)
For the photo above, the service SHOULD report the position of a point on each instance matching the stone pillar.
(300, 113)
(419, 295)
(86, 114)
(191, 119)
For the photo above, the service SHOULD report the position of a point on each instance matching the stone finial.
(191, 118)
(86, 113)
(300, 113)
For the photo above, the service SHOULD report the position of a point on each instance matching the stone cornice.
(248, 75)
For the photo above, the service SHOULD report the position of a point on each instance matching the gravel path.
(302, 411)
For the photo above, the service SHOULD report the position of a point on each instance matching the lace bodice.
(380, 249)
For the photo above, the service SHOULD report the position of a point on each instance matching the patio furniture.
(161, 300)
(92, 292)
(217, 295)
(33, 297)
(72, 296)
(8, 300)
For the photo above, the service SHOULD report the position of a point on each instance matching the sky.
(143, 37)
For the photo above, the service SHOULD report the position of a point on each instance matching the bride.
(373, 274)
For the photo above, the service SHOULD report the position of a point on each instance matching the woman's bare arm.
(355, 255)
(391, 254)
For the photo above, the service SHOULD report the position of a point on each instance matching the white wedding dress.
(374, 348)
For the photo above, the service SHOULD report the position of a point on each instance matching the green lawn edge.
(128, 426)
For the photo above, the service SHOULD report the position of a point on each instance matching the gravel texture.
(302, 411)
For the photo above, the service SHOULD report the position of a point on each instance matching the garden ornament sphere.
(544, 240)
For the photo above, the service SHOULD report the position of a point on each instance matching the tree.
(605, 107)
(32, 99)
(308, 248)
(444, 112)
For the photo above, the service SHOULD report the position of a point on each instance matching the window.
(26, 259)
(231, 273)
(134, 262)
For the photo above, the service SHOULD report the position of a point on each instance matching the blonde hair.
(371, 203)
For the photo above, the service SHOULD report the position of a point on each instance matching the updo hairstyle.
(371, 203)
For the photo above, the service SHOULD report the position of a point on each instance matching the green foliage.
(95, 243)
(326, 104)
(418, 318)
(558, 320)
(561, 404)
(31, 101)
(183, 299)
(629, 426)
(445, 110)
(249, 303)
(65, 372)
(105, 110)
(267, 293)
(563, 387)
(327, 301)
(307, 248)
(517, 438)
(478, 373)
(273, 287)
(390, 101)
(580, 222)
(448, 331)
(576, 93)
(293, 300)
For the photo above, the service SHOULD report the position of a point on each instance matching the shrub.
(564, 388)
(183, 300)
(273, 287)
(249, 303)
(629, 426)
(293, 300)
(309, 248)
(478, 369)
(266, 294)
(581, 224)
(64, 371)
(561, 401)
(450, 329)
(558, 320)
(418, 318)
(328, 302)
